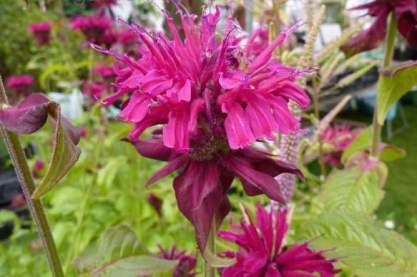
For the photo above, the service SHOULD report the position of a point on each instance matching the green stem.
(389, 53)
(210, 271)
(27, 184)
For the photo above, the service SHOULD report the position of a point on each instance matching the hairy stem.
(27, 184)
(316, 96)
(389, 53)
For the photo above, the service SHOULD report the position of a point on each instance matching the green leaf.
(65, 153)
(356, 75)
(392, 153)
(352, 190)
(362, 141)
(137, 266)
(107, 174)
(363, 244)
(113, 245)
(7, 216)
(394, 82)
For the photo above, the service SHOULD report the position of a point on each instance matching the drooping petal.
(292, 91)
(407, 26)
(201, 195)
(237, 127)
(185, 91)
(370, 38)
(169, 168)
(286, 121)
(265, 56)
(175, 133)
(137, 108)
(262, 121)
(153, 149)
(262, 181)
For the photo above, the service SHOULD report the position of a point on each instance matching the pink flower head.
(197, 80)
(406, 15)
(186, 263)
(338, 137)
(41, 31)
(212, 103)
(94, 27)
(21, 84)
(262, 251)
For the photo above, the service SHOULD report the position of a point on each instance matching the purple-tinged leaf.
(28, 117)
(65, 151)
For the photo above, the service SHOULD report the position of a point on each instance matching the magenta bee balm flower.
(186, 263)
(262, 251)
(41, 32)
(211, 103)
(406, 16)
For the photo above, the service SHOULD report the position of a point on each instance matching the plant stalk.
(316, 97)
(27, 184)
(389, 53)
(210, 271)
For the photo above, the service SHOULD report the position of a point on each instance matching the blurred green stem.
(75, 245)
(389, 53)
(316, 107)
(27, 184)
(210, 271)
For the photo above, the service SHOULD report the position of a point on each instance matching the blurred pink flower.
(212, 104)
(96, 28)
(17, 201)
(100, 4)
(21, 86)
(262, 252)
(41, 32)
(338, 137)
(106, 72)
(128, 39)
(186, 263)
(126, 36)
(83, 132)
(155, 202)
(38, 166)
(405, 12)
